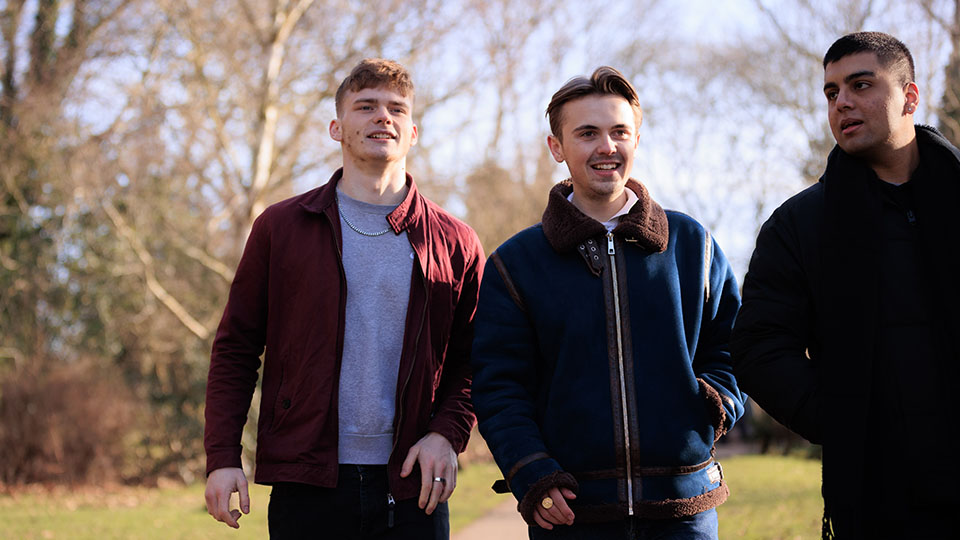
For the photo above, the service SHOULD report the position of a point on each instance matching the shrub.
(62, 424)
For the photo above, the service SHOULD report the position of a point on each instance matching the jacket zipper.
(416, 345)
(612, 252)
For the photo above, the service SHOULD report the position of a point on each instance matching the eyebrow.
(850, 77)
(375, 101)
(584, 127)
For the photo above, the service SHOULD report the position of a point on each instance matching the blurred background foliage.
(139, 139)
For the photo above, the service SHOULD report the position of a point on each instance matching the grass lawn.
(179, 512)
(771, 498)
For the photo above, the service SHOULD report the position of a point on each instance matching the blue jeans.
(702, 526)
(357, 509)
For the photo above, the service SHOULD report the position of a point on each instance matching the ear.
(556, 148)
(335, 130)
(414, 136)
(911, 94)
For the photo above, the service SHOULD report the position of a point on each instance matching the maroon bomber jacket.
(289, 296)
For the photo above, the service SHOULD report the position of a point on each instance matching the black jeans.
(357, 508)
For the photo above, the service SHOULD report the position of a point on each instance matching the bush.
(63, 424)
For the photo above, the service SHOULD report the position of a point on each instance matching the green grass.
(772, 498)
(179, 512)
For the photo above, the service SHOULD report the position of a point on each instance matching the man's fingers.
(232, 517)
(426, 485)
(407, 466)
(449, 486)
(564, 513)
(221, 484)
(542, 522)
(244, 497)
(436, 492)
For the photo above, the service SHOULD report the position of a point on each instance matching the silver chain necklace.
(354, 227)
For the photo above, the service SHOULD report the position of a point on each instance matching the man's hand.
(558, 514)
(437, 460)
(220, 485)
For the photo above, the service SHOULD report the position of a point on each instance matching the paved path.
(501, 523)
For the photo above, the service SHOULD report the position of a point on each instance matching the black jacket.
(805, 341)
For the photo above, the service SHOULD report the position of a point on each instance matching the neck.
(386, 185)
(896, 167)
(599, 209)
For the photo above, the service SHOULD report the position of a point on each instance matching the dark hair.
(890, 51)
(375, 73)
(604, 81)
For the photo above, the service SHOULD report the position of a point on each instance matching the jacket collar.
(401, 218)
(565, 226)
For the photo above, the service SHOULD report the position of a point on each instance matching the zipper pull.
(610, 250)
(391, 504)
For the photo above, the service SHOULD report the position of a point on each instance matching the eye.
(860, 85)
(587, 133)
(831, 95)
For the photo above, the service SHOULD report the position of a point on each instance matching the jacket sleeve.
(505, 387)
(453, 415)
(712, 364)
(772, 333)
(235, 358)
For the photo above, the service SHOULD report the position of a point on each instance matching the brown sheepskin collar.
(566, 226)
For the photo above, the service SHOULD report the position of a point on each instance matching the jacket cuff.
(458, 433)
(536, 493)
(716, 405)
(219, 459)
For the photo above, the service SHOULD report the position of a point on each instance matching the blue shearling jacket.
(601, 364)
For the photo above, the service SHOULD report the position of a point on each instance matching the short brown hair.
(604, 81)
(375, 73)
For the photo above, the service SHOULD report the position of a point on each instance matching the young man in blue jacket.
(601, 373)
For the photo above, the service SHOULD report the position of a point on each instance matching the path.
(501, 523)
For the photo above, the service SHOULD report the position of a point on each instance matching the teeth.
(606, 166)
(381, 136)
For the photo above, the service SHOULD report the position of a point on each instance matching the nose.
(843, 101)
(382, 116)
(606, 146)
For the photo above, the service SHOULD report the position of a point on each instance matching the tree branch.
(153, 284)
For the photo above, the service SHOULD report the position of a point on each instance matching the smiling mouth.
(604, 166)
(382, 136)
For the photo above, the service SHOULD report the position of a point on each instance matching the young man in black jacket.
(848, 330)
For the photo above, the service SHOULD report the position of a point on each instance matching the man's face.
(869, 110)
(599, 138)
(376, 125)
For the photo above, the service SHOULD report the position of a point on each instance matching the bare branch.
(149, 274)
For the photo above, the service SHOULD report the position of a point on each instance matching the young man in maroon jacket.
(360, 295)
